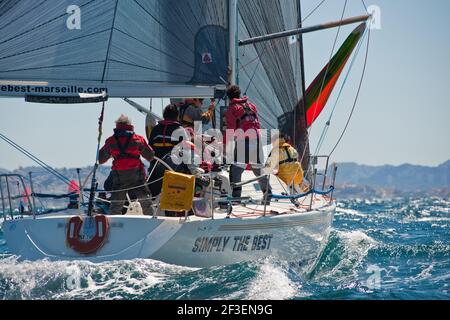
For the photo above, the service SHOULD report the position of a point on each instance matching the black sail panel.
(270, 71)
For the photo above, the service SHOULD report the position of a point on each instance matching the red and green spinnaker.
(319, 91)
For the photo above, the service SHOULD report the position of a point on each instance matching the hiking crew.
(284, 159)
(126, 149)
(242, 117)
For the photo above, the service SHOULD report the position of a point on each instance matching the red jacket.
(126, 148)
(242, 114)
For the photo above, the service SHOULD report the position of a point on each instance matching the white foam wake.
(81, 280)
(272, 283)
(344, 261)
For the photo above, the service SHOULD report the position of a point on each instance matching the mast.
(302, 141)
(232, 54)
(233, 57)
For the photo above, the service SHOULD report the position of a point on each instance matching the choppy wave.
(379, 249)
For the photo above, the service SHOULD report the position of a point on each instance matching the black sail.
(271, 72)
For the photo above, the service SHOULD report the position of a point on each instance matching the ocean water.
(397, 249)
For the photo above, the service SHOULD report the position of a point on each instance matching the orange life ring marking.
(93, 245)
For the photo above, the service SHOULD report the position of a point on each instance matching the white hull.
(288, 233)
(196, 242)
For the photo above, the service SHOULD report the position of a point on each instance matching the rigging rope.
(314, 10)
(253, 76)
(94, 175)
(41, 163)
(365, 6)
(35, 159)
(298, 196)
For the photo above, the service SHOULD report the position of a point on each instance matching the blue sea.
(380, 249)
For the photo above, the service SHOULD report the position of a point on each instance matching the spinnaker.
(320, 90)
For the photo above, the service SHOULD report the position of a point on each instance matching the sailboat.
(84, 51)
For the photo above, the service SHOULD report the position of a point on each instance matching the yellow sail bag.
(177, 192)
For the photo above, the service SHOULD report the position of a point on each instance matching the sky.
(401, 117)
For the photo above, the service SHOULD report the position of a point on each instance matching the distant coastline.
(388, 181)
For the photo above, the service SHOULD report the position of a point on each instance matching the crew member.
(167, 134)
(190, 111)
(128, 172)
(283, 160)
(162, 138)
(242, 117)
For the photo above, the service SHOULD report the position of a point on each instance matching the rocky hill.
(405, 177)
(363, 181)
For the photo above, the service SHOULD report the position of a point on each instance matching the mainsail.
(129, 48)
(167, 48)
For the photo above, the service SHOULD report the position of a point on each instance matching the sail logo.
(74, 20)
(293, 39)
(375, 21)
(207, 58)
